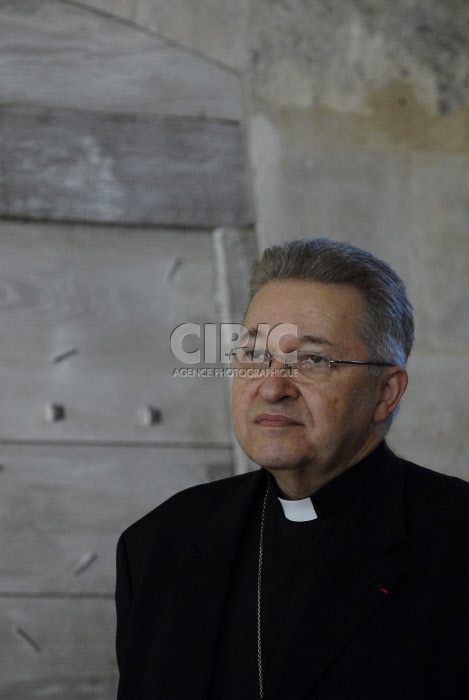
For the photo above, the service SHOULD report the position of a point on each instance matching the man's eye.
(255, 355)
(312, 359)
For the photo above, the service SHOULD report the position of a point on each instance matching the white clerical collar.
(299, 511)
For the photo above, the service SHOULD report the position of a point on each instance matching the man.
(337, 571)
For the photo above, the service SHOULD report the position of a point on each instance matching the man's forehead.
(324, 315)
(263, 330)
(311, 305)
(290, 291)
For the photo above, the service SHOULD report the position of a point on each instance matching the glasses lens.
(312, 366)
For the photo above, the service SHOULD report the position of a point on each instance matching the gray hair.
(388, 327)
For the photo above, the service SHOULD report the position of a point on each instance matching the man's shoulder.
(431, 479)
(437, 494)
(423, 475)
(192, 505)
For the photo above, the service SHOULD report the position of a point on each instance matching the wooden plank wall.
(61, 509)
(86, 315)
(120, 153)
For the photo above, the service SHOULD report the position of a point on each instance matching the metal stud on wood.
(54, 412)
(148, 416)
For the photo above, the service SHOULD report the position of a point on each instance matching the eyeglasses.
(301, 364)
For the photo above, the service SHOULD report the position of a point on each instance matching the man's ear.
(390, 388)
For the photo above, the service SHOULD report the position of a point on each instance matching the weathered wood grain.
(70, 165)
(86, 317)
(57, 649)
(57, 55)
(62, 509)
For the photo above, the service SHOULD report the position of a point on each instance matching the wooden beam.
(70, 165)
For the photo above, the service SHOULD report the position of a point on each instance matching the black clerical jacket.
(386, 617)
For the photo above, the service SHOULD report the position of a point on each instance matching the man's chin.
(274, 462)
(274, 454)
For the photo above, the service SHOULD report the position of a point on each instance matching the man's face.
(320, 426)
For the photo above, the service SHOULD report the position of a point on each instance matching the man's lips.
(274, 420)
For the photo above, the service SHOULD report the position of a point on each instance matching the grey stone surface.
(439, 201)
(431, 428)
(313, 180)
(434, 33)
(333, 52)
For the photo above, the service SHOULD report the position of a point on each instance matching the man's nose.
(277, 385)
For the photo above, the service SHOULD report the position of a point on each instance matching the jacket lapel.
(359, 566)
(201, 584)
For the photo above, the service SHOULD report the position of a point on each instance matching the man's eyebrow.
(253, 333)
(314, 340)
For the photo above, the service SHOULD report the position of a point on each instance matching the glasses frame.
(271, 356)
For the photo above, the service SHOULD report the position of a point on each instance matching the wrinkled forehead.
(309, 313)
(284, 337)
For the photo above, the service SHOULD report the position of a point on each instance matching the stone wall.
(358, 119)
